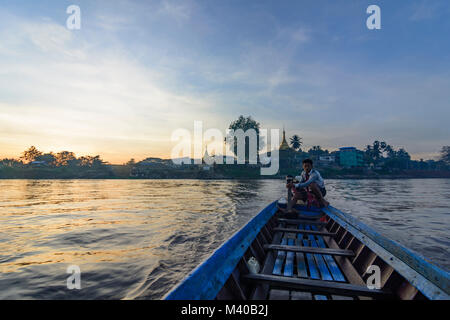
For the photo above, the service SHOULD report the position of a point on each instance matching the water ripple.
(135, 239)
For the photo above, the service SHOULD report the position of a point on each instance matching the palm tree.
(376, 150)
(389, 151)
(445, 154)
(296, 142)
(316, 150)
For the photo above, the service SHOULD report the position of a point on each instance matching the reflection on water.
(413, 212)
(131, 239)
(135, 239)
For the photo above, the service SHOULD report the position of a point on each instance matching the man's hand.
(289, 185)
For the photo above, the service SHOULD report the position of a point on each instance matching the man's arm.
(313, 177)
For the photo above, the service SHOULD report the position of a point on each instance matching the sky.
(137, 71)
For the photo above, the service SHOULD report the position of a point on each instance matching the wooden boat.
(308, 258)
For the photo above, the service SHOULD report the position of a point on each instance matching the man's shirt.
(314, 176)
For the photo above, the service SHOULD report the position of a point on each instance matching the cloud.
(179, 11)
(132, 75)
(425, 10)
(54, 94)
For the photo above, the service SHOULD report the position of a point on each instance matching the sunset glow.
(136, 72)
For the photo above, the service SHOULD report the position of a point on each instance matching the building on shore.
(327, 161)
(350, 157)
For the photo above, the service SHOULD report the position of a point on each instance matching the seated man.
(311, 180)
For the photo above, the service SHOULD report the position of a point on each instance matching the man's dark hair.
(308, 161)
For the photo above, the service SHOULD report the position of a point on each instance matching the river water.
(135, 239)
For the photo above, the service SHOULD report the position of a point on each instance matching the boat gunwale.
(432, 281)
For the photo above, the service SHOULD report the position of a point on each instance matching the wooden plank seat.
(312, 249)
(316, 286)
(321, 233)
(304, 221)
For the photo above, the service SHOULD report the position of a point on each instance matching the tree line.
(33, 156)
(378, 154)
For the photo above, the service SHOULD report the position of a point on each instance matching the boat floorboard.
(304, 265)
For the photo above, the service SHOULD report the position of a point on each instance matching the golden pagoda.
(207, 159)
(284, 145)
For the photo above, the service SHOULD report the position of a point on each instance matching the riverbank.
(235, 172)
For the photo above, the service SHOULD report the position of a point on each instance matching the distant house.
(329, 159)
(156, 163)
(38, 164)
(350, 157)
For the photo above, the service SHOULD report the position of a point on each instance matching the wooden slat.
(335, 227)
(266, 233)
(324, 273)
(235, 286)
(276, 294)
(345, 240)
(313, 271)
(407, 291)
(297, 295)
(280, 259)
(225, 293)
(289, 266)
(316, 250)
(320, 297)
(386, 270)
(363, 260)
(335, 297)
(262, 239)
(334, 269)
(330, 224)
(320, 233)
(298, 221)
(261, 292)
(319, 286)
(253, 252)
(259, 249)
(340, 234)
(346, 267)
(300, 257)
